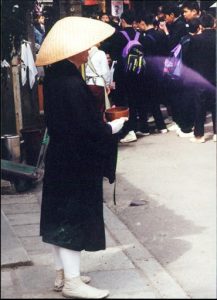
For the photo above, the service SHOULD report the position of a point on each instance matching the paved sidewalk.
(126, 267)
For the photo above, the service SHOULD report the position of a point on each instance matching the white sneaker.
(198, 140)
(214, 138)
(75, 288)
(183, 134)
(172, 127)
(150, 119)
(130, 137)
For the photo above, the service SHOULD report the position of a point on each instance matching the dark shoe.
(142, 133)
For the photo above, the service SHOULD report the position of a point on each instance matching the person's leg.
(212, 108)
(200, 113)
(187, 110)
(71, 262)
(59, 280)
(142, 108)
(174, 99)
(157, 114)
(57, 259)
(60, 274)
(130, 127)
(74, 287)
(214, 118)
(154, 104)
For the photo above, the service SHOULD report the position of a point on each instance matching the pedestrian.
(201, 57)
(175, 29)
(39, 30)
(98, 77)
(128, 89)
(155, 44)
(80, 146)
(191, 10)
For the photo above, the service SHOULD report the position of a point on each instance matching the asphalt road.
(166, 196)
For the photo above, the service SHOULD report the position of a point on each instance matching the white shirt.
(100, 63)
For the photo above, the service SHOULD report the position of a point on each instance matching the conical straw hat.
(70, 36)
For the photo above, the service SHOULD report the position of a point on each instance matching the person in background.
(155, 45)
(190, 10)
(115, 21)
(98, 76)
(194, 26)
(201, 57)
(39, 30)
(173, 27)
(129, 91)
(104, 17)
(187, 107)
(106, 45)
(82, 150)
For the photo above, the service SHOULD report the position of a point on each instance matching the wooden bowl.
(116, 113)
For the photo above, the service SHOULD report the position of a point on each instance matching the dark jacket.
(119, 42)
(201, 54)
(176, 31)
(80, 146)
(155, 43)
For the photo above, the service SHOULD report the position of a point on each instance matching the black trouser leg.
(200, 112)
(187, 110)
(214, 119)
(135, 97)
(212, 107)
(157, 114)
(151, 96)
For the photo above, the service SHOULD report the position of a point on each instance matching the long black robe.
(81, 151)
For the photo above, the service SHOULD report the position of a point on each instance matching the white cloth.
(27, 61)
(117, 124)
(57, 260)
(100, 63)
(5, 64)
(112, 71)
(71, 262)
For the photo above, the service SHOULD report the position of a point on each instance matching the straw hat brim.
(70, 36)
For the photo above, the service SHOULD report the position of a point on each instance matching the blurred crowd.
(157, 102)
(186, 98)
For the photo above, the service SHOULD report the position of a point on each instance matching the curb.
(13, 252)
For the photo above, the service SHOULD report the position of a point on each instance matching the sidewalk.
(126, 267)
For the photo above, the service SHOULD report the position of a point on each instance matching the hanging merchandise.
(27, 61)
(117, 8)
(5, 64)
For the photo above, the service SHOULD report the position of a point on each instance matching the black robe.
(81, 151)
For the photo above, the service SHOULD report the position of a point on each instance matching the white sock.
(71, 262)
(57, 260)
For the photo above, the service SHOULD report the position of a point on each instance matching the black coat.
(80, 147)
(176, 31)
(201, 54)
(155, 43)
(119, 42)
